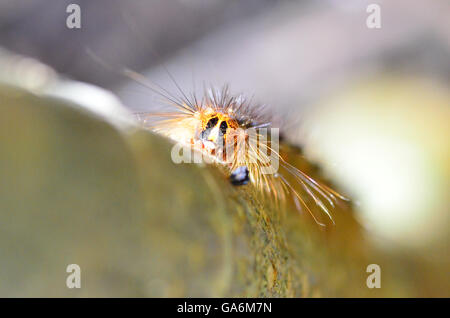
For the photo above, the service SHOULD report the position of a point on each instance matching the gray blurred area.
(290, 56)
(286, 53)
(135, 33)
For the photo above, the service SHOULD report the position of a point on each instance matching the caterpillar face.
(215, 129)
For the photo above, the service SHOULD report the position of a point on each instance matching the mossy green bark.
(77, 191)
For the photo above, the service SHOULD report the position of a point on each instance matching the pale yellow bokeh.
(387, 142)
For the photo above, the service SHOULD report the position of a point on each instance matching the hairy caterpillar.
(227, 130)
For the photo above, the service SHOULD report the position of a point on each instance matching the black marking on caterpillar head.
(223, 127)
(239, 176)
(211, 123)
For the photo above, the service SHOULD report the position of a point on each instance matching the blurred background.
(370, 105)
(287, 53)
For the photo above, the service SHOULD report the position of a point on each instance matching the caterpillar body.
(230, 131)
